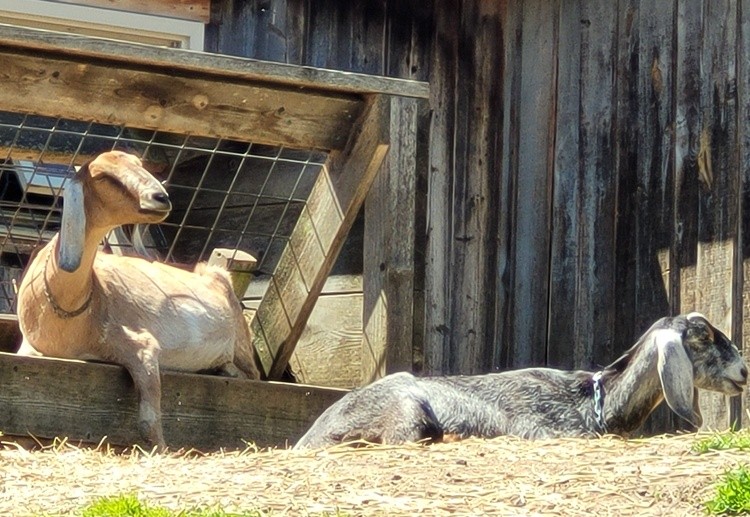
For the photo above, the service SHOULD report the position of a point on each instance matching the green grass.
(732, 493)
(131, 506)
(721, 441)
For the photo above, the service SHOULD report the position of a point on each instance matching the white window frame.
(123, 25)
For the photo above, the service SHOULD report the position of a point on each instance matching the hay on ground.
(502, 476)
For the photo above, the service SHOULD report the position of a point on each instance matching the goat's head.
(692, 354)
(109, 191)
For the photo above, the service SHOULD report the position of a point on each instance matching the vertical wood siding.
(587, 171)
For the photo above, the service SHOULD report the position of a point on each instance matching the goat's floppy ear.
(676, 375)
(72, 228)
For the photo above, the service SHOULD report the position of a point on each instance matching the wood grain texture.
(533, 173)
(742, 325)
(390, 231)
(329, 351)
(196, 10)
(717, 172)
(185, 105)
(337, 196)
(654, 287)
(178, 61)
(389, 263)
(437, 262)
(688, 128)
(85, 401)
(475, 188)
(566, 192)
(594, 314)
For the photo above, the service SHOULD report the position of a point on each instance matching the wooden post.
(389, 252)
(305, 263)
(240, 265)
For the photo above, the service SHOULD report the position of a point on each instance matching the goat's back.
(194, 315)
(529, 403)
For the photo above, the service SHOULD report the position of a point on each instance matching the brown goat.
(76, 302)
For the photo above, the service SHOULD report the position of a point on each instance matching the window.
(104, 23)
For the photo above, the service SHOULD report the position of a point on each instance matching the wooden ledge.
(50, 398)
(179, 61)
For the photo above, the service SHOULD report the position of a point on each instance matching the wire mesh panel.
(227, 194)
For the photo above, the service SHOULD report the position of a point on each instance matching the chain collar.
(599, 401)
(59, 311)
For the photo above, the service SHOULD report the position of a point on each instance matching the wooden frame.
(45, 397)
(216, 96)
(196, 10)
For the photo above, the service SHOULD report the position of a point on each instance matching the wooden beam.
(50, 398)
(389, 255)
(121, 54)
(305, 263)
(258, 112)
(195, 10)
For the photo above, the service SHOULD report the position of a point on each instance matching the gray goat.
(670, 361)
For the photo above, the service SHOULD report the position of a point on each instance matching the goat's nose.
(161, 197)
(157, 201)
(743, 372)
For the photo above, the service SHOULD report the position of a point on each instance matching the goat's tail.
(244, 352)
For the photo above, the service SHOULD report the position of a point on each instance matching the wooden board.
(184, 62)
(532, 171)
(196, 10)
(51, 398)
(328, 353)
(437, 261)
(93, 91)
(646, 256)
(337, 196)
(389, 265)
(567, 191)
(474, 207)
(742, 337)
(717, 172)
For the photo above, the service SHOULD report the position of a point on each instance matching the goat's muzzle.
(156, 203)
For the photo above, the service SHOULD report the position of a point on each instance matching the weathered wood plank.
(389, 262)
(337, 196)
(743, 138)
(250, 28)
(185, 105)
(329, 350)
(196, 10)
(511, 16)
(177, 61)
(595, 301)
(717, 170)
(627, 135)
(444, 59)
(475, 190)
(533, 181)
(688, 126)
(85, 401)
(654, 291)
(566, 196)
(389, 255)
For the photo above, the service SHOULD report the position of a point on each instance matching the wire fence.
(227, 194)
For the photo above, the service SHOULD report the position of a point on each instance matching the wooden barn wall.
(585, 170)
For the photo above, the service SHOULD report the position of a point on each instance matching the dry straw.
(503, 476)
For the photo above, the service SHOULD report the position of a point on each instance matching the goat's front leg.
(138, 352)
